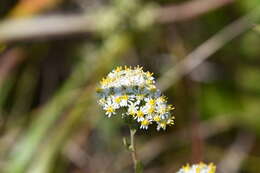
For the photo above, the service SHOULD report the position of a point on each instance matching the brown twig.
(188, 10)
(60, 25)
(237, 152)
(8, 61)
(56, 25)
(208, 48)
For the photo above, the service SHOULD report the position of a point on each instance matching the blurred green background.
(204, 53)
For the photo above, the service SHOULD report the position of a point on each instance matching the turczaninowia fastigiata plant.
(198, 168)
(131, 93)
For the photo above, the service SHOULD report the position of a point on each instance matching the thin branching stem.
(132, 147)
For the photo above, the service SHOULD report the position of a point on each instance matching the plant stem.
(132, 147)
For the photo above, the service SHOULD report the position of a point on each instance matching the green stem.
(132, 147)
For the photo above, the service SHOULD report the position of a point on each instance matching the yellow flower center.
(151, 102)
(118, 99)
(149, 82)
(163, 124)
(124, 97)
(212, 168)
(145, 123)
(186, 168)
(157, 118)
(110, 109)
(118, 69)
(132, 112)
(151, 110)
(139, 114)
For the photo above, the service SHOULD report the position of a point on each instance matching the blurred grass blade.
(112, 49)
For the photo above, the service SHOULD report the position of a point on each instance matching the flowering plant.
(131, 92)
(198, 168)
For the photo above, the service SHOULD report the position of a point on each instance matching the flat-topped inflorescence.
(132, 92)
(198, 168)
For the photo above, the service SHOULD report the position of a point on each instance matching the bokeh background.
(205, 55)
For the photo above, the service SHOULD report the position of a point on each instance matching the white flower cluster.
(132, 92)
(198, 168)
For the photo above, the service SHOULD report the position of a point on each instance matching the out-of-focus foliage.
(49, 118)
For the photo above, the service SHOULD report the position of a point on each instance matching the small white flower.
(109, 110)
(144, 124)
(132, 109)
(110, 107)
(116, 100)
(161, 125)
(124, 100)
(133, 91)
(198, 168)
(161, 108)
